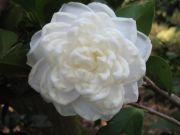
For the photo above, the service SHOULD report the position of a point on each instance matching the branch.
(173, 98)
(154, 112)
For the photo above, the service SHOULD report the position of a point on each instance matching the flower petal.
(131, 93)
(56, 95)
(50, 37)
(131, 54)
(63, 17)
(67, 110)
(35, 53)
(54, 27)
(137, 70)
(127, 27)
(60, 97)
(59, 82)
(35, 39)
(86, 88)
(113, 102)
(144, 45)
(85, 109)
(99, 7)
(75, 8)
(36, 74)
(99, 94)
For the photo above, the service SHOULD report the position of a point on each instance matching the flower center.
(86, 58)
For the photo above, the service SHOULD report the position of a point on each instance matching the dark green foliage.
(128, 120)
(12, 52)
(159, 71)
(141, 12)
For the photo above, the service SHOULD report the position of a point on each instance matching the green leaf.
(143, 13)
(12, 17)
(159, 71)
(7, 39)
(115, 3)
(34, 9)
(128, 121)
(12, 52)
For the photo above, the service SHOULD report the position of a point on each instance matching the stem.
(154, 112)
(173, 98)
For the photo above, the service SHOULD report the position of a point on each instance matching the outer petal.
(48, 39)
(127, 27)
(36, 74)
(131, 93)
(112, 103)
(137, 69)
(75, 8)
(35, 39)
(62, 98)
(93, 92)
(99, 7)
(67, 110)
(130, 53)
(49, 92)
(86, 89)
(85, 109)
(144, 45)
(58, 96)
(100, 94)
(63, 17)
(35, 53)
(54, 27)
(59, 82)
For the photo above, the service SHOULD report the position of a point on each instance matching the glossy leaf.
(115, 3)
(143, 13)
(12, 53)
(12, 17)
(34, 9)
(159, 71)
(128, 121)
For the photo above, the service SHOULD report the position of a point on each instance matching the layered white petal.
(87, 61)
(100, 94)
(99, 7)
(137, 70)
(131, 54)
(59, 81)
(144, 45)
(54, 27)
(85, 109)
(59, 96)
(35, 39)
(66, 110)
(35, 53)
(36, 74)
(131, 93)
(75, 8)
(113, 102)
(51, 93)
(50, 37)
(63, 98)
(127, 27)
(63, 17)
(93, 92)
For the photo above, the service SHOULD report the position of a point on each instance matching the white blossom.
(87, 61)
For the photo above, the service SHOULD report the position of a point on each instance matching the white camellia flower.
(87, 61)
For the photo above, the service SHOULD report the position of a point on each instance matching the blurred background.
(165, 36)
